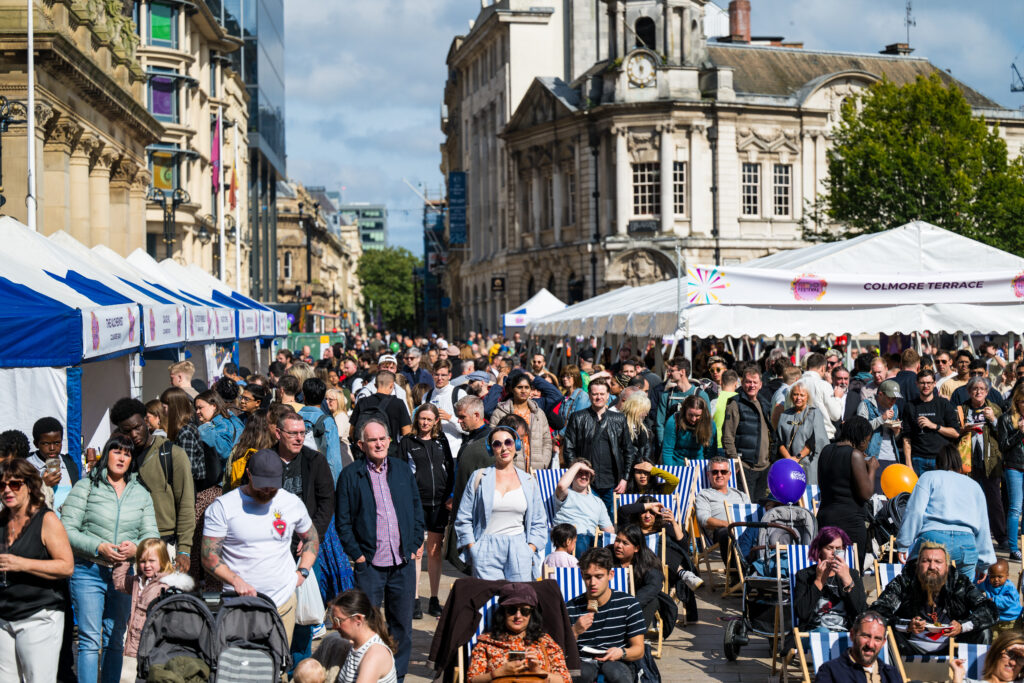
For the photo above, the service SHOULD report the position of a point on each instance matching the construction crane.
(1016, 81)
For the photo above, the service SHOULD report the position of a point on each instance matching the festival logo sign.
(152, 325)
(131, 325)
(95, 332)
(191, 325)
(704, 285)
(808, 287)
(1018, 286)
(178, 311)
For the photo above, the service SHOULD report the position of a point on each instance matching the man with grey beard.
(928, 604)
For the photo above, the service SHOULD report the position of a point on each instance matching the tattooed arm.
(309, 541)
(214, 565)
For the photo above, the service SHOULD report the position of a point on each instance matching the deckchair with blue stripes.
(885, 573)
(466, 651)
(570, 580)
(824, 647)
(738, 514)
(974, 657)
(547, 480)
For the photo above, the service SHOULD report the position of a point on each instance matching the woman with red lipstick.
(515, 645)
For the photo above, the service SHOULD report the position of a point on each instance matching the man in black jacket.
(927, 593)
(861, 662)
(308, 476)
(473, 455)
(602, 437)
(747, 432)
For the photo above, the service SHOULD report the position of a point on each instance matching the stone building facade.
(92, 125)
(316, 259)
(670, 140)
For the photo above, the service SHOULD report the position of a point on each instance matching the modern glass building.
(372, 220)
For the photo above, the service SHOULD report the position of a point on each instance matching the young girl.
(156, 572)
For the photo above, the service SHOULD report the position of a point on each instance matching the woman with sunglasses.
(1004, 661)
(372, 656)
(576, 504)
(516, 644)
(501, 521)
(107, 514)
(35, 557)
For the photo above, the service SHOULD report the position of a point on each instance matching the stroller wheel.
(733, 639)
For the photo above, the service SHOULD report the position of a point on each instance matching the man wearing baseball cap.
(388, 363)
(247, 537)
(884, 410)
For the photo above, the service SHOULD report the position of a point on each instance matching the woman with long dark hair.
(182, 429)
(630, 550)
(517, 627)
(847, 479)
(218, 428)
(111, 506)
(373, 651)
(515, 400)
(690, 435)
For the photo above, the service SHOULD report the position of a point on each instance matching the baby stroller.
(885, 518)
(764, 594)
(250, 640)
(178, 627)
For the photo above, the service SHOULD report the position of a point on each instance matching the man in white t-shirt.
(248, 536)
(443, 395)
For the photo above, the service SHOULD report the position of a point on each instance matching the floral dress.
(491, 652)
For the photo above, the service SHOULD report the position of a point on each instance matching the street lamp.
(204, 234)
(10, 113)
(177, 197)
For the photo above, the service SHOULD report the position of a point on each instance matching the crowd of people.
(352, 466)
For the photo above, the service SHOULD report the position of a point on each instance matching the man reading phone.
(606, 621)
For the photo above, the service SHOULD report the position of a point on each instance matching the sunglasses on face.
(496, 444)
(525, 610)
(715, 473)
(14, 484)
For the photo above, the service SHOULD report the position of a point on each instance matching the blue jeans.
(959, 545)
(584, 542)
(395, 589)
(102, 614)
(922, 465)
(1014, 482)
(607, 496)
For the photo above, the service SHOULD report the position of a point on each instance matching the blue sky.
(365, 78)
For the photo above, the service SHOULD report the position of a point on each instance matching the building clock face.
(640, 69)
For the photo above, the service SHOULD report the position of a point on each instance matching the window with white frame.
(646, 189)
(570, 197)
(287, 265)
(679, 188)
(750, 189)
(782, 184)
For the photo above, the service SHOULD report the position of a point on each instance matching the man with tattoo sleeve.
(248, 533)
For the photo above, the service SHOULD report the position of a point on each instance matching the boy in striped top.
(609, 626)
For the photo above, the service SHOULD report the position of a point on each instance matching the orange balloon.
(897, 479)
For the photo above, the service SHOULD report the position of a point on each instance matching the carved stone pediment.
(767, 139)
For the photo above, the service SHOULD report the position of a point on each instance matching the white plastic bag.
(309, 606)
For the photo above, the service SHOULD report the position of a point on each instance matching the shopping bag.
(309, 606)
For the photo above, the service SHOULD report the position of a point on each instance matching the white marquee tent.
(537, 306)
(911, 278)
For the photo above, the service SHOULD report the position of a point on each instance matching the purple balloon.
(787, 481)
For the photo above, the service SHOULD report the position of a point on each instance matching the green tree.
(916, 152)
(386, 276)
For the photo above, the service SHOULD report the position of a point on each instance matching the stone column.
(99, 195)
(557, 198)
(137, 226)
(122, 174)
(57, 175)
(535, 204)
(623, 186)
(668, 155)
(78, 186)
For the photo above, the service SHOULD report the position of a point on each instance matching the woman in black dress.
(847, 480)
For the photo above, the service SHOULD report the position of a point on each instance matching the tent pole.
(849, 357)
(675, 344)
(1010, 350)
(688, 347)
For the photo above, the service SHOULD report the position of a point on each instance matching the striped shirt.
(389, 538)
(614, 624)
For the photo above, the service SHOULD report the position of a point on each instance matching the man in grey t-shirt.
(710, 503)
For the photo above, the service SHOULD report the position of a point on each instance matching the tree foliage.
(916, 152)
(386, 276)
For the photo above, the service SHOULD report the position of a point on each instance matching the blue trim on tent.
(162, 353)
(150, 294)
(251, 303)
(74, 416)
(37, 331)
(184, 298)
(115, 354)
(93, 289)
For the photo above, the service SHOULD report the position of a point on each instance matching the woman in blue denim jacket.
(218, 428)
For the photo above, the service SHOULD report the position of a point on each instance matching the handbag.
(309, 606)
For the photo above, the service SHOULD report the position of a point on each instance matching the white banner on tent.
(223, 321)
(110, 329)
(249, 324)
(266, 323)
(516, 319)
(762, 286)
(199, 323)
(165, 324)
(281, 323)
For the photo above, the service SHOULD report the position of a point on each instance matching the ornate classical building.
(184, 50)
(92, 124)
(665, 140)
(317, 259)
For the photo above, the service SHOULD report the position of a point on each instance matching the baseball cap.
(890, 388)
(480, 376)
(587, 354)
(517, 594)
(387, 358)
(266, 471)
(442, 344)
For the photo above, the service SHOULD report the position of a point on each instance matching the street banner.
(762, 286)
(110, 329)
(165, 324)
(457, 207)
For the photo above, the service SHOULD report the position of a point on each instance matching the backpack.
(315, 433)
(377, 412)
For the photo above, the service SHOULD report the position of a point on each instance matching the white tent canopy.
(537, 306)
(912, 278)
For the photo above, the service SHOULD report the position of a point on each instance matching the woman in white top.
(501, 520)
(372, 657)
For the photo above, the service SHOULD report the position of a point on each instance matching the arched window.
(551, 284)
(646, 33)
(531, 288)
(575, 287)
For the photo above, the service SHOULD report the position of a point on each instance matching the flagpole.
(30, 197)
(220, 191)
(238, 210)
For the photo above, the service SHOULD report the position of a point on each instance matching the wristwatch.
(303, 571)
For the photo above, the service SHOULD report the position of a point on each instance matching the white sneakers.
(692, 581)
